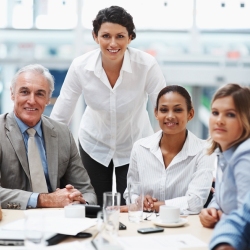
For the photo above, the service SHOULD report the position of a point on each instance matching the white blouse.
(115, 117)
(187, 180)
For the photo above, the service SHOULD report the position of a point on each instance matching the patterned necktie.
(37, 176)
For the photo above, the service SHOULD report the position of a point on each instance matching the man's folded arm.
(14, 198)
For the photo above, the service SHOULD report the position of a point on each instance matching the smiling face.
(113, 40)
(30, 96)
(224, 123)
(172, 113)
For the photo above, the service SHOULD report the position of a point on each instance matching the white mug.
(74, 211)
(169, 214)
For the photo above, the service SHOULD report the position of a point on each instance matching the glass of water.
(135, 204)
(111, 212)
(34, 231)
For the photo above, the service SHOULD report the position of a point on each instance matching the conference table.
(192, 227)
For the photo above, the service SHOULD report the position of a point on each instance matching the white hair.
(36, 68)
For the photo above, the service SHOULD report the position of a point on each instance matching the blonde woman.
(229, 128)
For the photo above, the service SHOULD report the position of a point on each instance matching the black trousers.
(101, 177)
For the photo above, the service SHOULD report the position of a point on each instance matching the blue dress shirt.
(234, 229)
(41, 147)
(232, 178)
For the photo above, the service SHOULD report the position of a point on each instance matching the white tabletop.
(193, 226)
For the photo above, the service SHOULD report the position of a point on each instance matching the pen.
(94, 245)
(93, 241)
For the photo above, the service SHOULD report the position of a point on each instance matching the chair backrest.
(210, 196)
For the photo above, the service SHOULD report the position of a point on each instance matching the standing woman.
(116, 81)
(229, 127)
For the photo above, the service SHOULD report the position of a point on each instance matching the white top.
(187, 180)
(115, 117)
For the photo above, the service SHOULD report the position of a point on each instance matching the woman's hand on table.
(152, 204)
(210, 216)
(157, 205)
(148, 203)
(123, 209)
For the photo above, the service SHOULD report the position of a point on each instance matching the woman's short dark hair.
(178, 89)
(114, 14)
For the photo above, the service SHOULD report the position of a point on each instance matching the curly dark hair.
(114, 14)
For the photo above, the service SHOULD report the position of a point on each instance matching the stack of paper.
(170, 242)
(55, 222)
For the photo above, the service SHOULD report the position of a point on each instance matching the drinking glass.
(34, 231)
(108, 223)
(135, 202)
(111, 211)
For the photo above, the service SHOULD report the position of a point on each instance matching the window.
(219, 14)
(3, 13)
(22, 14)
(147, 14)
(56, 14)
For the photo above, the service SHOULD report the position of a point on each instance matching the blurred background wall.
(199, 44)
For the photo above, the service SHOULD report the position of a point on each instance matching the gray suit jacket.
(64, 163)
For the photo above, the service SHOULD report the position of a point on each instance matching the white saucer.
(180, 223)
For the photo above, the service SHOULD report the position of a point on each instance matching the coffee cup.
(169, 214)
(74, 211)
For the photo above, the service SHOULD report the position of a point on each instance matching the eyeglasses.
(149, 217)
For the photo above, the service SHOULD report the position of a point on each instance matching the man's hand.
(75, 194)
(209, 217)
(61, 197)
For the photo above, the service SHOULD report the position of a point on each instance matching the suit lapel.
(15, 136)
(51, 147)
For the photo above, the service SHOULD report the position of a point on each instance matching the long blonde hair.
(241, 98)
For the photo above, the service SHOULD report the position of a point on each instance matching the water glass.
(135, 202)
(108, 226)
(34, 231)
(111, 212)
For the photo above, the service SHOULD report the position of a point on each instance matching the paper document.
(169, 242)
(55, 222)
(76, 245)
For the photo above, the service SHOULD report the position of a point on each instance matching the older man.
(39, 161)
